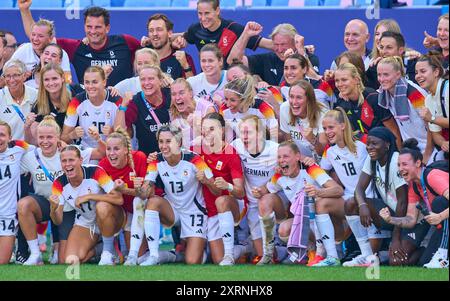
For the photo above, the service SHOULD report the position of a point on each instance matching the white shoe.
(358, 261)
(438, 261)
(227, 260)
(106, 258)
(34, 259)
(151, 260)
(143, 258)
(131, 260)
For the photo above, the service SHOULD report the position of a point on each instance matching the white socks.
(361, 234)
(34, 246)
(267, 224)
(226, 226)
(108, 244)
(151, 226)
(320, 250)
(326, 229)
(137, 226)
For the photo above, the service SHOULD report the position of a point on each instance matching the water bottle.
(311, 204)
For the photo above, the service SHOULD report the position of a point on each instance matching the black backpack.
(442, 165)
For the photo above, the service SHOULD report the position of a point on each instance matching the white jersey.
(82, 110)
(433, 103)
(348, 166)
(292, 186)
(182, 188)
(26, 54)
(14, 114)
(260, 108)
(295, 130)
(95, 181)
(257, 170)
(202, 88)
(132, 85)
(10, 177)
(395, 180)
(41, 183)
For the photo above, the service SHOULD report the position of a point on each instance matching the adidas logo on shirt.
(288, 188)
(337, 158)
(39, 167)
(70, 197)
(226, 235)
(412, 235)
(166, 174)
(244, 160)
(88, 55)
(199, 231)
(274, 71)
(7, 111)
(85, 114)
(148, 117)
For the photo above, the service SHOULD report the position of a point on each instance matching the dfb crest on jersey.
(219, 165)
(185, 173)
(108, 115)
(112, 54)
(11, 157)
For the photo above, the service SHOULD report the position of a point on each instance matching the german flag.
(101, 176)
(275, 178)
(72, 108)
(315, 171)
(57, 188)
(266, 110)
(417, 99)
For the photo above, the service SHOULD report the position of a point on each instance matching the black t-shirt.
(59, 116)
(367, 116)
(200, 36)
(270, 68)
(146, 127)
(171, 66)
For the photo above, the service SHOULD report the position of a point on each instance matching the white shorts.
(9, 226)
(253, 223)
(213, 227)
(82, 222)
(193, 223)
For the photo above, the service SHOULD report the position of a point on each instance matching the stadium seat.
(280, 3)
(117, 3)
(332, 3)
(146, 3)
(363, 3)
(82, 3)
(228, 3)
(421, 2)
(259, 3)
(180, 3)
(311, 3)
(46, 3)
(102, 3)
(6, 3)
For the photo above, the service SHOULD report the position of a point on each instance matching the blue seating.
(311, 2)
(363, 3)
(180, 3)
(332, 3)
(421, 2)
(259, 3)
(46, 3)
(81, 3)
(280, 3)
(102, 3)
(146, 3)
(6, 3)
(228, 3)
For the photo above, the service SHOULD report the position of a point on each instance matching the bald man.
(356, 36)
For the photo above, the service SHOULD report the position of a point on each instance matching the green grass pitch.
(208, 272)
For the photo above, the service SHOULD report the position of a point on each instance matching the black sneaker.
(21, 258)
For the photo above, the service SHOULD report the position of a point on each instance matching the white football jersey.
(41, 183)
(395, 179)
(10, 177)
(13, 117)
(257, 170)
(292, 186)
(182, 188)
(348, 166)
(295, 130)
(201, 88)
(95, 181)
(82, 110)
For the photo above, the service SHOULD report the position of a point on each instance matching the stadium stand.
(146, 3)
(180, 3)
(47, 3)
(6, 4)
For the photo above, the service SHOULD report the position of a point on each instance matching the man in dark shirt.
(270, 66)
(101, 49)
(175, 63)
(211, 28)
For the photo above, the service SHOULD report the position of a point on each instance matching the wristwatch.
(433, 118)
(188, 69)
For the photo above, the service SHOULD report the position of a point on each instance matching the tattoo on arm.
(403, 222)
